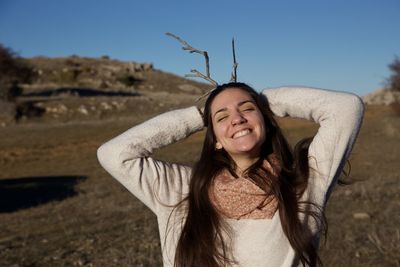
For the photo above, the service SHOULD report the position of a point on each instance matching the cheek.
(263, 130)
(219, 131)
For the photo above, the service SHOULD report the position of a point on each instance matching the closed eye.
(222, 118)
(247, 107)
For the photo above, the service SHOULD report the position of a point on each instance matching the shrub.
(13, 71)
(128, 80)
(394, 79)
(67, 76)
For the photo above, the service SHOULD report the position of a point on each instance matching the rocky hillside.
(104, 74)
(382, 96)
(83, 89)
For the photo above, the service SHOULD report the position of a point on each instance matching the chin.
(250, 150)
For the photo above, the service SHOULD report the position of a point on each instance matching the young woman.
(250, 200)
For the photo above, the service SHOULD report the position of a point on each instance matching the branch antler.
(194, 72)
(235, 64)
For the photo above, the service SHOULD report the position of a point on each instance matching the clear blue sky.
(338, 44)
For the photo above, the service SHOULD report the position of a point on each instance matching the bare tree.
(394, 79)
(13, 71)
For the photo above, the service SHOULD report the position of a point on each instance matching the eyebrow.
(239, 104)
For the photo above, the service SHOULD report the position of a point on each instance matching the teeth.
(241, 133)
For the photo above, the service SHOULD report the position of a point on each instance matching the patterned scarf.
(240, 198)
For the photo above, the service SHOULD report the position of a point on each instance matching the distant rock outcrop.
(94, 73)
(382, 96)
(74, 75)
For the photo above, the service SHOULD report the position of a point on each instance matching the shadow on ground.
(26, 192)
(29, 110)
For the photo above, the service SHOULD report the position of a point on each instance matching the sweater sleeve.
(127, 157)
(339, 115)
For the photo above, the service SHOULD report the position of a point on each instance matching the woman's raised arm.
(126, 157)
(339, 115)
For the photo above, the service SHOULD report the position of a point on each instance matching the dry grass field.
(58, 207)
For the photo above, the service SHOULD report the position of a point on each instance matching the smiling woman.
(249, 200)
(238, 126)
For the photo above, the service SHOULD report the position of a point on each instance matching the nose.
(238, 119)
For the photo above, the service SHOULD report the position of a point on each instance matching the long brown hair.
(202, 241)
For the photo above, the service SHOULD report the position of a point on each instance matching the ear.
(218, 146)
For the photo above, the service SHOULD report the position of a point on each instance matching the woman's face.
(238, 124)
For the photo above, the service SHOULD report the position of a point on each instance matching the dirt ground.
(58, 207)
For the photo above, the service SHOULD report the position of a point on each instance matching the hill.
(80, 88)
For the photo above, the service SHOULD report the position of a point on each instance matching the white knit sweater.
(255, 242)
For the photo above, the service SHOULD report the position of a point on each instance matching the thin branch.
(191, 49)
(235, 64)
(196, 73)
(377, 242)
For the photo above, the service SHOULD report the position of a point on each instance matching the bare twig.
(377, 242)
(389, 247)
(235, 64)
(196, 73)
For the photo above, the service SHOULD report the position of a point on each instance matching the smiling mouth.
(241, 133)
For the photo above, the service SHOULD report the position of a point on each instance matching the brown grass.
(396, 108)
(101, 224)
